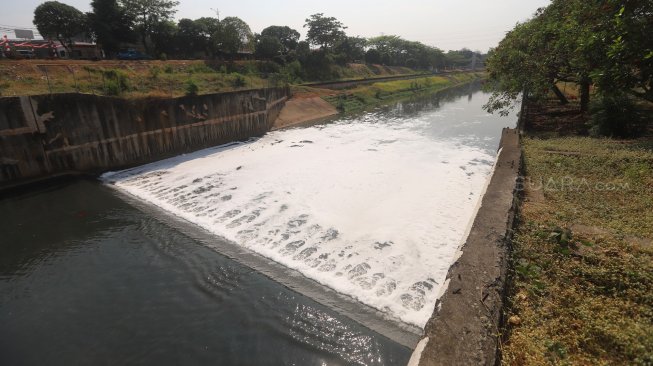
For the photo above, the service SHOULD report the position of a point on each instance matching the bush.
(163, 57)
(168, 70)
(238, 80)
(115, 82)
(199, 69)
(616, 115)
(268, 67)
(192, 88)
(154, 72)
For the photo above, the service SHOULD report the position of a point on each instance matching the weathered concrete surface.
(48, 135)
(464, 331)
(304, 110)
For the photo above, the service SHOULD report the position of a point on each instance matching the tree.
(267, 47)
(207, 27)
(148, 14)
(373, 56)
(60, 21)
(323, 31)
(164, 38)
(110, 25)
(605, 43)
(189, 37)
(287, 37)
(351, 49)
(233, 35)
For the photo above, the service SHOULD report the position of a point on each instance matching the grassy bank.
(363, 96)
(582, 291)
(160, 78)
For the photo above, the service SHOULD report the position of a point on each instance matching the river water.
(373, 207)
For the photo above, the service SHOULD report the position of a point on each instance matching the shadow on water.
(85, 278)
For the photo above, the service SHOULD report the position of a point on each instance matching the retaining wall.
(48, 135)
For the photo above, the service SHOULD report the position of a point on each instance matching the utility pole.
(217, 12)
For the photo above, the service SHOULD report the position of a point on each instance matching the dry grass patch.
(583, 297)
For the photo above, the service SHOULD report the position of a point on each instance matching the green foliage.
(155, 71)
(267, 47)
(238, 81)
(191, 87)
(617, 115)
(288, 38)
(60, 21)
(233, 35)
(323, 31)
(149, 16)
(111, 25)
(115, 82)
(584, 42)
(199, 69)
(396, 51)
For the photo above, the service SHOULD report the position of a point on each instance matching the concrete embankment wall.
(48, 135)
(464, 329)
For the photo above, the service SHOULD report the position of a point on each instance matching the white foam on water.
(374, 210)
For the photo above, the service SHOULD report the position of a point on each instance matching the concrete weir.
(44, 136)
(464, 326)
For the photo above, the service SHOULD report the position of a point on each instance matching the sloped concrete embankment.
(464, 326)
(49, 135)
(301, 110)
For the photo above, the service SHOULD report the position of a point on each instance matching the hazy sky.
(447, 24)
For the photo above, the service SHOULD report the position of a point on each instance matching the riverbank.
(582, 261)
(310, 103)
(367, 95)
(134, 79)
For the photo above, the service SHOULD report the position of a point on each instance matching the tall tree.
(189, 37)
(323, 31)
(110, 25)
(207, 27)
(234, 35)
(61, 22)
(147, 14)
(287, 37)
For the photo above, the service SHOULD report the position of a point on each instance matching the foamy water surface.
(374, 207)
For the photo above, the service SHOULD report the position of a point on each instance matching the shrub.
(191, 87)
(238, 80)
(154, 72)
(163, 57)
(616, 115)
(115, 82)
(168, 70)
(199, 69)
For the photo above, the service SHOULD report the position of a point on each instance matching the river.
(145, 266)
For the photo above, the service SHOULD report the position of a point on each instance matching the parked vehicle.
(131, 54)
(28, 54)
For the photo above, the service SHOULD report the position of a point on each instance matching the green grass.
(364, 96)
(582, 291)
(157, 78)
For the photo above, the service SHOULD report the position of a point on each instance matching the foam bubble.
(374, 209)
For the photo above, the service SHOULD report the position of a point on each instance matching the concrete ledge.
(464, 327)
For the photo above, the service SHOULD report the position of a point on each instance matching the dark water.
(87, 279)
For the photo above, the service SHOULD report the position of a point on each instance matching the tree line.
(605, 47)
(114, 23)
